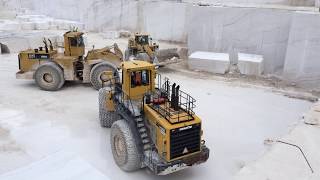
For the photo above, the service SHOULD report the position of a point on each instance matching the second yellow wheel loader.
(141, 47)
(50, 69)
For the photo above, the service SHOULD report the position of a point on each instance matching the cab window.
(76, 41)
(139, 78)
(142, 39)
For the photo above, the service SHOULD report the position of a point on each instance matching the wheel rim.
(105, 77)
(48, 78)
(120, 146)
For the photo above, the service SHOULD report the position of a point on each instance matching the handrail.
(185, 102)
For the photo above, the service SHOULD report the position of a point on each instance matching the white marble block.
(8, 25)
(42, 25)
(209, 61)
(250, 64)
(28, 25)
(110, 34)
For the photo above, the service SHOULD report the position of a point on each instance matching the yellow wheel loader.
(50, 69)
(152, 121)
(141, 47)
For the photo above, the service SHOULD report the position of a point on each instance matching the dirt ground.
(238, 115)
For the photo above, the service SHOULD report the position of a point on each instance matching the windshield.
(142, 40)
(77, 41)
(139, 78)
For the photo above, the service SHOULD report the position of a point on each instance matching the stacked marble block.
(210, 62)
(250, 64)
(219, 63)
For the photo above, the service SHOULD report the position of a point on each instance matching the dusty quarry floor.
(36, 124)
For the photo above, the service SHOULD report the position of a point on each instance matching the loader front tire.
(124, 147)
(49, 77)
(97, 76)
(107, 117)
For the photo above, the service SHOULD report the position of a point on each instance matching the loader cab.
(73, 43)
(138, 78)
(142, 39)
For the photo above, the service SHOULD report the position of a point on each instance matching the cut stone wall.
(278, 2)
(164, 20)
(221, 29)
(302, 62)
(246, 30)
(111, 15)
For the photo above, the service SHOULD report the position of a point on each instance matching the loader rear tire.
(96, 74)
(49, 77)
(124, 146)
(107, 118)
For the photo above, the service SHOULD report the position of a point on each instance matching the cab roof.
(73, 34)
(137, 65)
(141, 34)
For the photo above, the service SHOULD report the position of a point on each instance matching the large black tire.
(124, 146)
(49, 77)
(96, 74)
(107, 118)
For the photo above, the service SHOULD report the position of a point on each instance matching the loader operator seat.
(139, 78)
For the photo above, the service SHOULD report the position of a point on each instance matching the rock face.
(263, 27)
(302, 65)
(250, 64)
(259, 2)
(209, 62)
(248, 30)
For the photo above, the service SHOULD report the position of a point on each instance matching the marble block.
(42, 25)
(28, 26)
(209, 61)
(110, 34)
(250, 64)
(8, 25)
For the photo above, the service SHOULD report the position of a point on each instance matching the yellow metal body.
(30, 60)
(160, 127)
(141, 43)
(115, 56)
(133, 69)
(73, 44)
(73, 55)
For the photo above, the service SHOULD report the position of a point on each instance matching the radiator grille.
(184, 140)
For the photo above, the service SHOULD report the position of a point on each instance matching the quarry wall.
(302, 65)
(287, 38)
